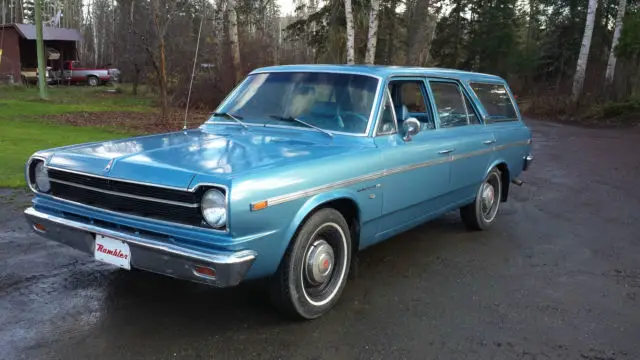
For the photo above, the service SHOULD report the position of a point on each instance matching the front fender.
(313, 203)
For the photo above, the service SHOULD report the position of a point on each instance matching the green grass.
(23, 130)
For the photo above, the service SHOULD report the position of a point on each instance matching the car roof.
(385, 71)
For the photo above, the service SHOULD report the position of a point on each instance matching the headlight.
(214, 208)
(41, 178)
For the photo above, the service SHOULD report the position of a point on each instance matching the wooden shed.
(18, 50)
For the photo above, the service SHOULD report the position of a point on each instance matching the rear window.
(496, 101)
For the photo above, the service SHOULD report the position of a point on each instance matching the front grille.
(74, 187)
(124, 187)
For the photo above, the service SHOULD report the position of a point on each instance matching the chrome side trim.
(516, 143)
(177, 203)
(343, 183)
(471, 154)
(316, 190)
(135, 217)
(405, 168)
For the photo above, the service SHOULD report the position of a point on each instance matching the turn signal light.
(205, 271)
(259, 205)
(40, 227)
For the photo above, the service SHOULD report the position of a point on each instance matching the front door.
(417, 172)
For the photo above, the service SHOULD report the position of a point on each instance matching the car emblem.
(106, 168)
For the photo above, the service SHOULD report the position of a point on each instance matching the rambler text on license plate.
(112, 251)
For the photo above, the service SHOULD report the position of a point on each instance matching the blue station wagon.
(297, 170)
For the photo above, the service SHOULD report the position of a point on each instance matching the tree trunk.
(233, 39)
(136, 79)
(218, 35)
(163, 81)
(348, 12)
(372, 39)
(161, 70)
(581, 68)
(391, 31)
(418, 18)
(611, 64)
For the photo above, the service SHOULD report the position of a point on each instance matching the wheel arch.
(505, 177)
(93, 76)
(344, 201)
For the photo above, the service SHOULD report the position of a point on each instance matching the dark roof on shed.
(28, 32)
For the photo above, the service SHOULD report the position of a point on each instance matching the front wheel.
(313, 272)
(481, 213)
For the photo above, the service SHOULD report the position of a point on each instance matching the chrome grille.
(128, 198)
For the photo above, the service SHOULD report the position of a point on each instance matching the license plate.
(112, 251)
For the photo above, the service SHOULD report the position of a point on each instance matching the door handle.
(445, 151)
(489, 142)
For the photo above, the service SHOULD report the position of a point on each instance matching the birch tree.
(372, 38)
(611, 64)
(218, 30)
(348, 9)
(583, 58)
(233, 39)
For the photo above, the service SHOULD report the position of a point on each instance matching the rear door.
(471, 154)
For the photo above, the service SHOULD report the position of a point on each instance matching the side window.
(449, 106)
(410, 102)
(387, 120)
(473, 117)
(412, 97)
(496, 101)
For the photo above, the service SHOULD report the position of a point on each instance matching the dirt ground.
(558, 277)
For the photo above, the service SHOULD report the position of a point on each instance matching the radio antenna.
(193, 71)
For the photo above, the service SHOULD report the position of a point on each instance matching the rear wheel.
(314, 270)
(481, 214)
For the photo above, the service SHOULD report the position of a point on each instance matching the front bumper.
(147, 253)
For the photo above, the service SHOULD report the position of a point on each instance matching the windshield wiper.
(236, 118)
(293, 119)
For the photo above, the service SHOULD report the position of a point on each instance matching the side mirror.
(410, 127)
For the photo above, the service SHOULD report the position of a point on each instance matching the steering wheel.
(352, 126)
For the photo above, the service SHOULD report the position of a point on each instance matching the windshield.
(330, 101)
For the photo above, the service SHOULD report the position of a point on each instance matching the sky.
(286, 6)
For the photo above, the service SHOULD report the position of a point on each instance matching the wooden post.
(42, 85)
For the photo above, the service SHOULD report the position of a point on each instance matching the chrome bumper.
(527, 162)
(146, 253)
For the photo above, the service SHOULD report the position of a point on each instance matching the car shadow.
(147, 296)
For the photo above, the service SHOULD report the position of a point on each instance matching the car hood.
(174, 159)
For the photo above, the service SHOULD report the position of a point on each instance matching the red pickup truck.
(73, 72)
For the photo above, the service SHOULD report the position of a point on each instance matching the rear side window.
(496, 101)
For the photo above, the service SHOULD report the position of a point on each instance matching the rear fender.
(506, 176)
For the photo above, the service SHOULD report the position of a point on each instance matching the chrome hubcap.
(319, 262)
(488, 197)
(489, 200)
